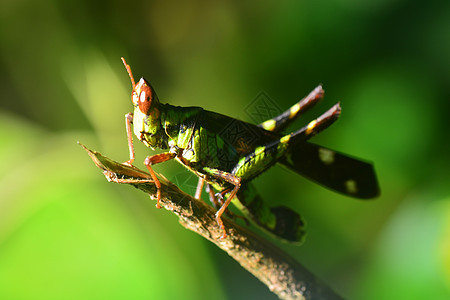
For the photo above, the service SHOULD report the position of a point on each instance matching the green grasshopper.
(226, 154)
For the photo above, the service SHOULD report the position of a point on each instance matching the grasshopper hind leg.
(280, 122)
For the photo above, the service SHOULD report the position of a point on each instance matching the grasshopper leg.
(283, 120)
(236, 182)
(208, 188)
(156, 159)
(219, 213)
(319, 124)
(215, 199)
(220, 196)
(212, 196)
(128, 121)
(199, 190)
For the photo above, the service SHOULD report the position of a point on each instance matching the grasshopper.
(206, 144)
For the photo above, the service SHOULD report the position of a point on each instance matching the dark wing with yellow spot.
(334, 170)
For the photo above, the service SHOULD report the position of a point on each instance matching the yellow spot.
(285, 138)
(269, 125)
(351, 186)
(311, 126)
(326, 156)
(294, 110)
(259, 150)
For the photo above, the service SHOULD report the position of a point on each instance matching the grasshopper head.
(143, 95)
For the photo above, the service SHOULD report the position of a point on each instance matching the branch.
(282, 274)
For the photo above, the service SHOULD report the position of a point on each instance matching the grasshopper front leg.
(149, 160)
(128, 121)
(156, 159)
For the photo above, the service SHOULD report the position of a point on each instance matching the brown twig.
(282, 274)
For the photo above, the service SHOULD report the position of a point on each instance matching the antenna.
(127, 66)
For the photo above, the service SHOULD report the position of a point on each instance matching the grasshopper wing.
(334, 170)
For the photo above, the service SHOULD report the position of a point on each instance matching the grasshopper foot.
(158, 198)
(220, 223)
(128, 162)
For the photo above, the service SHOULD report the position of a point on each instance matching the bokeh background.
(66, 233)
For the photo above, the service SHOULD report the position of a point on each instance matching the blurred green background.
(66, 233)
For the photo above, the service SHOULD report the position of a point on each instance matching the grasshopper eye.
(145, 99)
